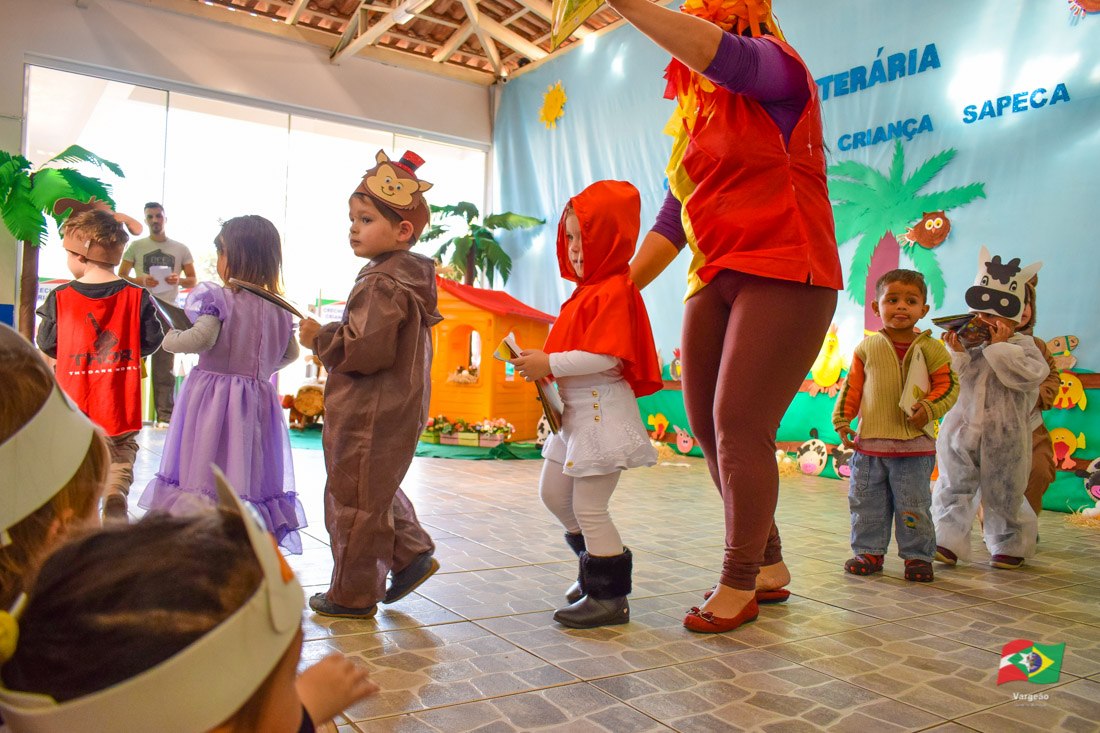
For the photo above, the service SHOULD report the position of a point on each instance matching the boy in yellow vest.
(894, 455)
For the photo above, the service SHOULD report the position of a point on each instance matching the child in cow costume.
(984, 450)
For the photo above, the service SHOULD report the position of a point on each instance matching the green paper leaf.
(927, 171)
(77, 154)
(47, 186)
(510, 221)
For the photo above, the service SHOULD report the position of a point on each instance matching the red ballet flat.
(705, 622)
(763, 595)
(772, 595)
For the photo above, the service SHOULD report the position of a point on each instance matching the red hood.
(609, 213)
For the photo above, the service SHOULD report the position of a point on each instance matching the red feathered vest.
(759, 206)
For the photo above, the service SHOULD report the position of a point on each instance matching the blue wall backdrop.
(1013, 87)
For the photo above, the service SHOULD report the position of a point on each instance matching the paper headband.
(999, 287)
(202, 685)
(93, 250)
(41, 458)
(396, 186)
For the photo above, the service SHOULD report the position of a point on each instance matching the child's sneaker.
(406, 580)
(864, 564)
(945, 556)
(322, 606)
(918, 571)
(1006, 562)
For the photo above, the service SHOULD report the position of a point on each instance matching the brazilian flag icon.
(1026, 661)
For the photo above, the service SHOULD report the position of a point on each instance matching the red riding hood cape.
(606, 314)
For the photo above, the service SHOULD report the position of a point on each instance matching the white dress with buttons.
(602, 429)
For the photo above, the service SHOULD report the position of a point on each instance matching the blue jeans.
(897, 488)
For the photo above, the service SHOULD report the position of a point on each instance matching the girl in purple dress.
(227, 412)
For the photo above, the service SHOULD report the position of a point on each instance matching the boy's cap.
(107, 253)
(999, 287)
(395, 185)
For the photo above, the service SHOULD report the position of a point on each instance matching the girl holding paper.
(601, 352)
(227, 412)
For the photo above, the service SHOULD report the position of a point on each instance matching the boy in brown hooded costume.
(379, 359)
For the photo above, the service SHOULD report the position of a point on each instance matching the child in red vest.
(98, 327)
(601, 353)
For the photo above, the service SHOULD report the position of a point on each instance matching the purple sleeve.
(760, 69)
(668, 224)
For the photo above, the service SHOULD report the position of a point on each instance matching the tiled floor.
(475, 648)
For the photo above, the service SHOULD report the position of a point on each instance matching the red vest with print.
(760, 206)
(99, 356)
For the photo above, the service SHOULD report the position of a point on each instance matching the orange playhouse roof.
(494, 301)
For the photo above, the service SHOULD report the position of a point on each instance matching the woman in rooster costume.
(747, 194)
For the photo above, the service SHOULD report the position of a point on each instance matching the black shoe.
(575, 592)
(606, 584)
(322, 606)
(405, 581)
(589, 612)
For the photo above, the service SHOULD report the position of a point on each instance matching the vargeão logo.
(1023, 660)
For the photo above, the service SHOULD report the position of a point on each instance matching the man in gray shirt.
(153, 256)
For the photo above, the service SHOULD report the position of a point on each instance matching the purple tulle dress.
(228, 414)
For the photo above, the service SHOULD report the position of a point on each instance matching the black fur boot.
(606, 584)
(576, 544)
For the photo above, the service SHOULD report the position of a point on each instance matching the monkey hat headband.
(110, 254)
(999, 287)
(394, 184)
(203, 684)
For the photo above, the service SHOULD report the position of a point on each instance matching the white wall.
(130, 40)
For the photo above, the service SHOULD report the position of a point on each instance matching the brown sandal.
(864, 564)
(918, 571)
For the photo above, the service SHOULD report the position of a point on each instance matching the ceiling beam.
(511, 39)
(316, 37)
(296, 11)
(483, 37)
(351, 40)
(357, 38)
(457, 39)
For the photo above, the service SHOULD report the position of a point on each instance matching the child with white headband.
(175, 625)
(54, 463)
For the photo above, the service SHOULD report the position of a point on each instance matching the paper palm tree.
(27, 197)
(477, 252)
(878, 209)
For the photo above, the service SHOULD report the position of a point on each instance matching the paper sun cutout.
(553, 105)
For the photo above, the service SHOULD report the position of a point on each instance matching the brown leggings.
(748, 342)
(1042, 468)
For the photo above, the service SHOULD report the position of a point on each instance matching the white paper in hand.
(160, 273)
(917, 384)
(552, 405)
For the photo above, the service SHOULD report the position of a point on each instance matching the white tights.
(580, 504)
